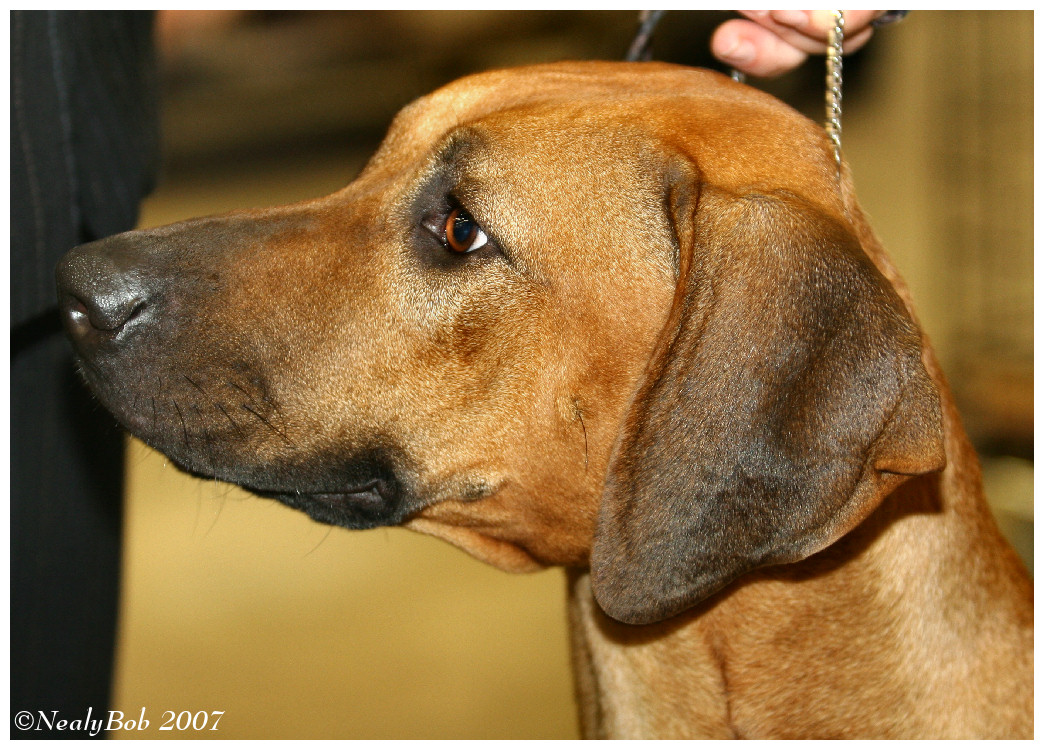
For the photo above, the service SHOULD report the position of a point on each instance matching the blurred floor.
(298, 631)
(237, 604)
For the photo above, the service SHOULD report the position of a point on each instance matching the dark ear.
(785, 399)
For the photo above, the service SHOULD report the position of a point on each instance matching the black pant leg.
(66, 497)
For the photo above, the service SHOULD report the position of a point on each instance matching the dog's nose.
(100, 293)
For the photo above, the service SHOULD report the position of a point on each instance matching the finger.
(753, 49)
(857, 29)
(808, 30)
(821, 21)
(762, 46)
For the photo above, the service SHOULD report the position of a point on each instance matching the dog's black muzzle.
(144, 312)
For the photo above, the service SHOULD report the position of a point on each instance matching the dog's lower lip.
(364, 506)
(371, 492)
(348, 496)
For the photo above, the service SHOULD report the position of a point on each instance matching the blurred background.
(236, 604)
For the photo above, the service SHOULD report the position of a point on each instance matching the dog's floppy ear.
(785, 399)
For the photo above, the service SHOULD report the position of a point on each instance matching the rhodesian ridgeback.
(622, 318)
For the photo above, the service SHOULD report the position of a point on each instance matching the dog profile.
(622, 318)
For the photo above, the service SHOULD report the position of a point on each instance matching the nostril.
(102, 314)
(76, 309)
(112, 312)
(100, 294)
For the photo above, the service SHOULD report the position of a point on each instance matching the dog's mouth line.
(372, 490)
(363, 505)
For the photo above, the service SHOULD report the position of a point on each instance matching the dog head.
(586, 313)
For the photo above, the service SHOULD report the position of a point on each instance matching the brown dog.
(621, 318)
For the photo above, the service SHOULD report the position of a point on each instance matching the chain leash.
(835, 39)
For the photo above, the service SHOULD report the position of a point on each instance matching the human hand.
(770, 42)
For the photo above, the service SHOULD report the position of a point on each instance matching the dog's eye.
(463, 234)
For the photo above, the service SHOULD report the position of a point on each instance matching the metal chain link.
(835, 39)
(641, 47)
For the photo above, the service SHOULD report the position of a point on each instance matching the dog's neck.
(623, 689)
(784, 651)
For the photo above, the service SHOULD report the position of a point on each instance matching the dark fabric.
(83, 138)
(66, 481)
(83, 154)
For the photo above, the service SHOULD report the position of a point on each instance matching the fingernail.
(741, 51)
(796, 19)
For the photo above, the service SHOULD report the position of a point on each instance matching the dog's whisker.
(217, 515)
(239, 388)
(233, 422)
(269, 425)
(218, 405)
(194, 384)
(252, 398)
(184, 427)
(207, 442)
(580, 416)
(326, 536)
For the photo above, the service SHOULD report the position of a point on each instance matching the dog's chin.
(357, 503)
(361, 491)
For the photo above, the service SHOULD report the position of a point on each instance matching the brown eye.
(463, 234)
